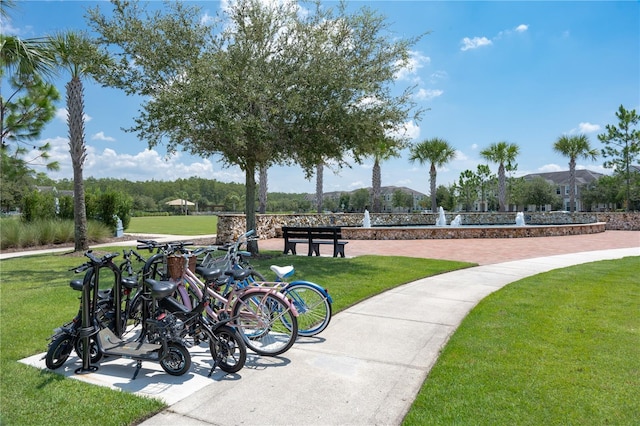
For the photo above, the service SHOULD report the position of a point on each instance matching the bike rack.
(88, 305)
(87, 329)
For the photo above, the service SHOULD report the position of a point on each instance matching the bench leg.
(338, 249)
(314, 248)
(290, 247)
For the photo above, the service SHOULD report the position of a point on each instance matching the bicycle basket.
(175, 265)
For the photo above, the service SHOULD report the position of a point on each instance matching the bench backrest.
(312, 232)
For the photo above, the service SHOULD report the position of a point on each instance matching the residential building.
(562, 182)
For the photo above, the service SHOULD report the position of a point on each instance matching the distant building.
(561, 181)
(58, 192)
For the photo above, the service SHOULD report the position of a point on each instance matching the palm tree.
(382, 151)
(436, 151)
(574, 147)
(26, 57)
(28, 62)
(501, 153)
(80, 57)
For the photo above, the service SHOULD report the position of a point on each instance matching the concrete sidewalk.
(131, 241)
(368, 365)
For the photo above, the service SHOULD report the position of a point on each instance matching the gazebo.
(183, 204)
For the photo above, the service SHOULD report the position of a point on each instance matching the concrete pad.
(152, 381)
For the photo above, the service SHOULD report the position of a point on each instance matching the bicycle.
(265, 318)
(225, 344)
(71, 336)
(163, 347)
(228, 350)
(313, 302)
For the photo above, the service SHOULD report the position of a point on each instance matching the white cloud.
(547, 168)
(8, 28)
(100, 136)
(460, 156)
(207, 19)
(588, 127)
(584, 128)
(145, 165)
(474, 146)
(428, 94)
(437, 76)
(410, 69)
(474, 43)
(411, 130)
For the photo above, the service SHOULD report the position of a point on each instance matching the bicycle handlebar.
(168, 246)
(94, 261)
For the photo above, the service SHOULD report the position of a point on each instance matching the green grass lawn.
(36, 298)
(560, 348)
(176, 225)
(557, 348)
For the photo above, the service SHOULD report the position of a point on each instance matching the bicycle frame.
(228, 302)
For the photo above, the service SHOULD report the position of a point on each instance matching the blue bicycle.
(312, 301)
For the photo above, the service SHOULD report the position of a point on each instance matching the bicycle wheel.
(135, 310)
(228, 348)
(177, 360)
(59, 351)
(313, 306)
(266, 323)
(95, 354)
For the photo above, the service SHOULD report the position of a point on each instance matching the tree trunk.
(77, 149)
(376, 188)
(262, 195)
(250, 205)
(432, 180)
(319, 185)
(502, 181)
(572, 185)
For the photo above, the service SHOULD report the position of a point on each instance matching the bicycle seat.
(161, 289)
(76, 285)
(129, 282)
(209, 274)
(282, 271)
(239, 274)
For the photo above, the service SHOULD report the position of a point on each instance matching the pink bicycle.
(264, 317)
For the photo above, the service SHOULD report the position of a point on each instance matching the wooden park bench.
(314, 237)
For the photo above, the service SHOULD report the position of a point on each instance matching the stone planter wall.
(230, 227)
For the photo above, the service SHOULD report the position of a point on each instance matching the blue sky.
(523, 72)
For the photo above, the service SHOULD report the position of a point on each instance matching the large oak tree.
(262, 85)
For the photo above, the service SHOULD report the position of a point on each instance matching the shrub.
(38, 205)
(17, 234)
(106, 206)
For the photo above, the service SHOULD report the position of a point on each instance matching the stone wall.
(230, 227)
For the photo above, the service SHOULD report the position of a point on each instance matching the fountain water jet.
(457, 221)
(520, 219)
(442, 220)
(366, 222)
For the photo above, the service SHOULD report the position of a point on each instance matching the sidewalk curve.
(367, 367)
